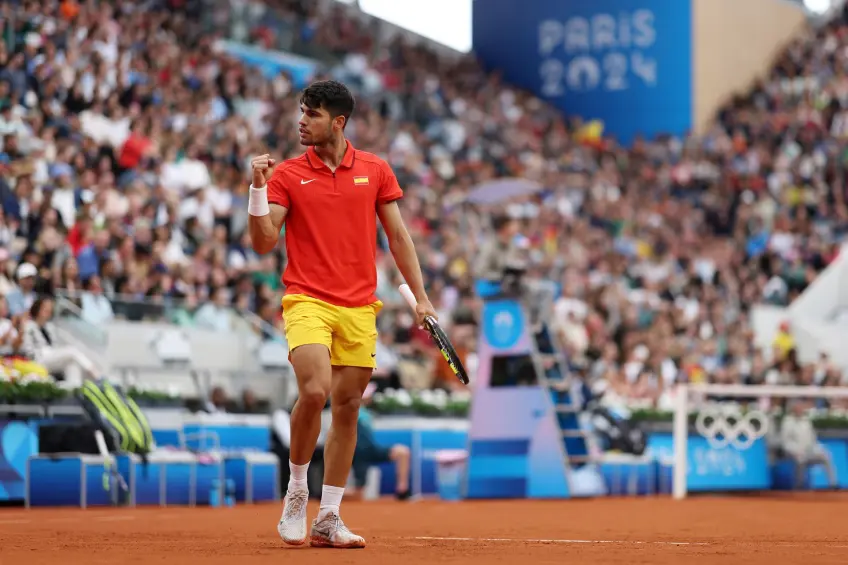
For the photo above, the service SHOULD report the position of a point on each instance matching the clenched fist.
(262, 167)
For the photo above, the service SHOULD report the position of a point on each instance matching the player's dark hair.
(330, 95)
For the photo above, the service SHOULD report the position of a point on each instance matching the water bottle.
(230, 497)
(215, 494)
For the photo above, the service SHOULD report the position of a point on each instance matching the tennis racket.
(439, 336)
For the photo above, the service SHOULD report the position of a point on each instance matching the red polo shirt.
(331, 226)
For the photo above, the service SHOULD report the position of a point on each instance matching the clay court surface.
(792, 529)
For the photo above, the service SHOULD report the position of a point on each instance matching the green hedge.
(417, 405)
(153, 398)
(30, 392)
(46, 392)
(821, 422)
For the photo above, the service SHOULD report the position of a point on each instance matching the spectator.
(6, 283)
(386, 374)
(218, 402)
(798, 440)
(183, 313)
(281, 445)
(250, 404)
(12, 343)
(783, 341)
(369, 452)
(215, 315)
(41, 345)
(22, 297)
(499, 252)
(96, 308)
(10, 338)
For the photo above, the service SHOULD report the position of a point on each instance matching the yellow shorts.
(349, 333)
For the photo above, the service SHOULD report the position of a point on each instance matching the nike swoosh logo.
(306, 181)
(373, 355)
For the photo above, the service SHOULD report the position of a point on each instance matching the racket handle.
(406, 292)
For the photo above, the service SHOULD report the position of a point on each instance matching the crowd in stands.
(125, 137)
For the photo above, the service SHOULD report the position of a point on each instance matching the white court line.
(828, 545)
(562, 541)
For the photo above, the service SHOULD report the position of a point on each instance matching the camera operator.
(501, 260)
(798, 440)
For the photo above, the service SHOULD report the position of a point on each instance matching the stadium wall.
(816, 317)
(734, 43)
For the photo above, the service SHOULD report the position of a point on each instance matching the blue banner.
(229, 437)
(627, 63)
(18, 440)
(710, 469)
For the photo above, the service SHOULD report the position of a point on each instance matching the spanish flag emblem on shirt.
(360, 180)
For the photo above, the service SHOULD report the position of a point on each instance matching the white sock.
(297, 480)
(331, 499)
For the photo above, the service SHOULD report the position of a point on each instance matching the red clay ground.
(797, 530)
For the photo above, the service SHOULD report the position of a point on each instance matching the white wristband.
(257, 202)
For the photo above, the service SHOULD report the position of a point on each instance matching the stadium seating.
(109, 193)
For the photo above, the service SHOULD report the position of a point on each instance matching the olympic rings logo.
(726, 425)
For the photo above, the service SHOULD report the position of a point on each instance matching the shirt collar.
(347, 161)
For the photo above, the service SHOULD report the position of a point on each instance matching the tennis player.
(329, 198)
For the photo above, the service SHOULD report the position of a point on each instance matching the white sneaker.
(292, 526)
(330, 531)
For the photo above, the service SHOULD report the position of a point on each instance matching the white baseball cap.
(26, 270)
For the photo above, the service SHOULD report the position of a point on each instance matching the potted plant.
(154, 398)
(832, 422)
(426, 403)
(458, 407)
(6, 392)
(425, 407)
(392, 402)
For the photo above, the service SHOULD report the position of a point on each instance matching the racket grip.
(406, 292)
